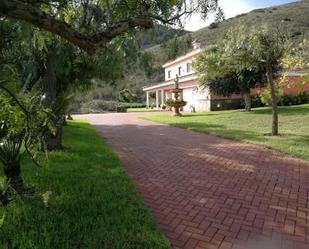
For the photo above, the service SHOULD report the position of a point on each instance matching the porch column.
(167, 95)
(147, 99)
(157, 99)
(162, 98)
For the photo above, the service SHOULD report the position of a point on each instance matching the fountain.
(177, 102)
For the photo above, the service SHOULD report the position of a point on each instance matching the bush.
(121, 109)
(259, 10)
(256, 101)
(98, 106)
(286, 19)
(302, 98)
(213, 25)
(265, 95)
(285, 100)
(175, 103)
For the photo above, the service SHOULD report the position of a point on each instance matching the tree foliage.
(23, 121)
(223, 67)
(127, 96)
(91, 24)
(53, 67)
(177, 46)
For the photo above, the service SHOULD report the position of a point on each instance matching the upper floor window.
(189, 66)
(169, 74)
(179, 71)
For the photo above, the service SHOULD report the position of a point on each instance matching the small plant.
(286, 19)
(213, 25)
(175, 103)
(23, 121)
(121, 108)
(265, 95)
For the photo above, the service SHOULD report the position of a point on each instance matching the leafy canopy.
(90, 24)
(227, 67)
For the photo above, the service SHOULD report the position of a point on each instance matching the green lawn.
(92, 204)
(251, 127)
(142, 110)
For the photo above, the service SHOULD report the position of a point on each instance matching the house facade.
(198, 98)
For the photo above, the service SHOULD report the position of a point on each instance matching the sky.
(232, 8)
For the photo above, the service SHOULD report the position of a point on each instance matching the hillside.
(292, 18)
(157, 35)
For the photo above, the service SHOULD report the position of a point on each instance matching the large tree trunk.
(247, 99)
(52, 141)
(12, 173)
(274, 103)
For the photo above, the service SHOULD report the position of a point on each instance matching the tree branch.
(25, 12)
(13, 97)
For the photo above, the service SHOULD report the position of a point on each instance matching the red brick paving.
(211, 193)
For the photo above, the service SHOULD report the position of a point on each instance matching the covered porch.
(157, 95)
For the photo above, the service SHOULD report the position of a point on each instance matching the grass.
(84, 200)
(142, 110)
(251, 127)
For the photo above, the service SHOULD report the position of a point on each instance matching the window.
(169, 74)
(189, 67)
(179, 71)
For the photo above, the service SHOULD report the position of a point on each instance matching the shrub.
(241, 15)
(266, 96)
(259, 10)
(256, 101)
(175, 103)
(286, 19)
(302, 98)
(127, 96)
(121, 109)
(97, 106)
(213, 25)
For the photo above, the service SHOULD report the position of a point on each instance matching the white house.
(195, 96)
(199, 98)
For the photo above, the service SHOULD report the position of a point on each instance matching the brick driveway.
(208, 192)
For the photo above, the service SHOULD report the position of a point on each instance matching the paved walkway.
(208, 192)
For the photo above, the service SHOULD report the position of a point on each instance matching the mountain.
(160, 45)
(157, 35)
(293, 18)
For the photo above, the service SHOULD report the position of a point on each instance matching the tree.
(66, 71)
(89, 25)
(261, 49)
(115, 17)
(126, 95)
(177, 46)
(297, 58)
(224, 72)
(219, 17)
(268, 49)
(172, 48)
(44, 62)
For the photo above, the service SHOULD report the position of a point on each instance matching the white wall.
(174, 69)
(197, 97)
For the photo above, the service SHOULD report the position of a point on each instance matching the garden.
(61, 186)
(83, 199)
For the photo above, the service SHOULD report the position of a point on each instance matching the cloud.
(230, 7)
(233, 8)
